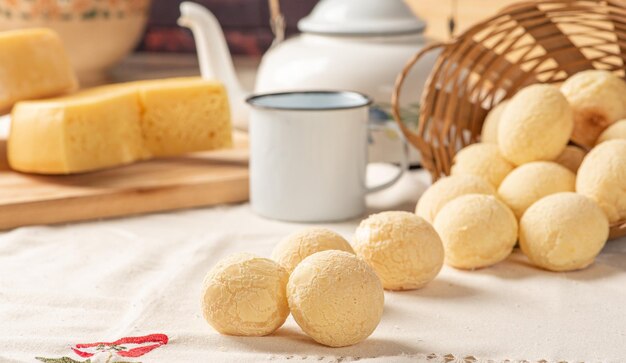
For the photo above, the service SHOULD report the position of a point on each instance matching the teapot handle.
(277, 22)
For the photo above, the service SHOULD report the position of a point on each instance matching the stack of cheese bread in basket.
(527, 183)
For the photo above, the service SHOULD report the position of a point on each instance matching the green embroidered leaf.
(61, 360)
(70, 360)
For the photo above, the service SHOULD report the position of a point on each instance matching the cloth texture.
(101, 281)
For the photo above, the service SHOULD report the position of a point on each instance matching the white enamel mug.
(308, 155)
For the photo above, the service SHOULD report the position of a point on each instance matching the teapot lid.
(361, 17)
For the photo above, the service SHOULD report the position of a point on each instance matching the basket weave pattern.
(529, 42)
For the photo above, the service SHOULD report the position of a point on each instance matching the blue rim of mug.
(366, 100)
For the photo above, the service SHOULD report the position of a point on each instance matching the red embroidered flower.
(124, 347)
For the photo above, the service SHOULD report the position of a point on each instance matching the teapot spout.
(214, 57)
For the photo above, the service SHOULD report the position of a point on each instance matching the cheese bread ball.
(446, 189)
(530, 182)
(245, 295)
(477, 231)
(336, 298)
(602, 177)
(535, 125)
(489, 133)
(571, 157)
(563, 232)
(403, 249)
(483, 160)
(296, 247)
(598, 100)
(615, 131)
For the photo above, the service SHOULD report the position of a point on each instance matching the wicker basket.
(525, 43)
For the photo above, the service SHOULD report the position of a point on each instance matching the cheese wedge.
(118, 124)
(33, 64)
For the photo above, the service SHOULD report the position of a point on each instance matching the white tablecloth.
(103, 280)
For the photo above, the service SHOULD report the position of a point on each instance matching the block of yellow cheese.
(118, 124)
(201, 107)
(33, 64)
(76, 133)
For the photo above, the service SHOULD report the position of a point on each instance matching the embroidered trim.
(127, 347)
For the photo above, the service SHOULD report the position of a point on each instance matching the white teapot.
(358, 45)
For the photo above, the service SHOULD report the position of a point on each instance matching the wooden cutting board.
(194, 180)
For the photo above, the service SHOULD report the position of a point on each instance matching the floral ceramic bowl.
(96, 33)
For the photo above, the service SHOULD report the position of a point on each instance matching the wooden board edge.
(124, 203)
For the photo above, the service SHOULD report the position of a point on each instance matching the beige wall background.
(468, 12)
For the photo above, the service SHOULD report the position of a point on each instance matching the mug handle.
(404, 162)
